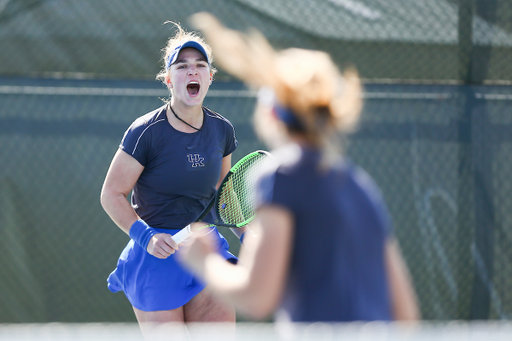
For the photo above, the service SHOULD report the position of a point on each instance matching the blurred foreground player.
(323, 248)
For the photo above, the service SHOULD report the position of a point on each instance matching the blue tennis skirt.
(152, 284)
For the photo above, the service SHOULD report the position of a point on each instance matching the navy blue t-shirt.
(341, 225)
(181, 169)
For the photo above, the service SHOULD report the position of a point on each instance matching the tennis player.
(323, 248)
(172, 158)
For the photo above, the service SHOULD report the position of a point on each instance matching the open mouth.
(193, 88)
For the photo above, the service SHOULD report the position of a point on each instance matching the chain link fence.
(435, 135)
(395, 40)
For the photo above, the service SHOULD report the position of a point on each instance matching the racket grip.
(182, 234)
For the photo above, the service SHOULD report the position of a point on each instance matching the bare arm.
(121, 177)
(255, 285)
(226, 166)
(403, 297)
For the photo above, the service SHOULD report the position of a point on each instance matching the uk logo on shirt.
(196, 160)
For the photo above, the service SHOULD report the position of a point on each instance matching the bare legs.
(204, 307)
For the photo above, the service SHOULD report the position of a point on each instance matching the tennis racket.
(234, 200)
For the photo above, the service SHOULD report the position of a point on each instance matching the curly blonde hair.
(307, 82)
(180, 37)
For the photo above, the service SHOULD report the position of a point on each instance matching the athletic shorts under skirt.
(152, 284)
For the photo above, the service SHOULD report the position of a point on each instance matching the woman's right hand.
(162, 245)
(196, 249)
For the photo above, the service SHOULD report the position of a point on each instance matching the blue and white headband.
(288, 117)
(174, 55)
(267, 97)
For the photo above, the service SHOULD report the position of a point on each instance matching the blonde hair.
(181, 36)
(305, 81)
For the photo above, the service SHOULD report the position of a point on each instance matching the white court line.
(95, 91)
(407, 95)
(494, 97)
(140, 92)
(90, 91)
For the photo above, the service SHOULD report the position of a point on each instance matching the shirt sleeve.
(136, 140)
(231, 142)
(376, 198)
(274, 189)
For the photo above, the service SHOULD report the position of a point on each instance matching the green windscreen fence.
(388, 40)
(436, 135)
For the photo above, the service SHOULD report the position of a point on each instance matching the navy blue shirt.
(337, 268)
(181, 169)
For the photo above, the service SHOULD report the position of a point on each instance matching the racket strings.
(237, 202)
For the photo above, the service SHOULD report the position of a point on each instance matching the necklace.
(191, 126)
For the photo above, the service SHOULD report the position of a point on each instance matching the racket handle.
(182, 235)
